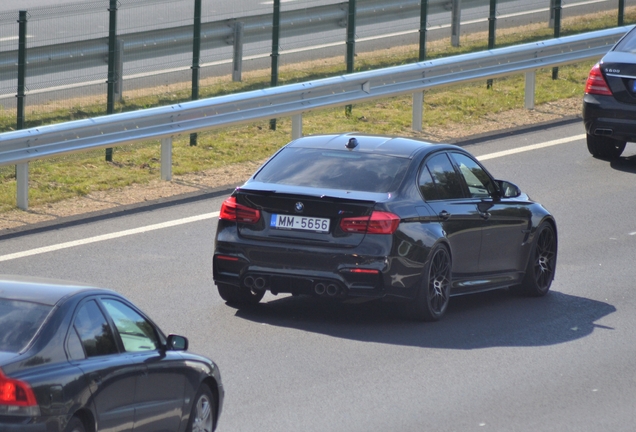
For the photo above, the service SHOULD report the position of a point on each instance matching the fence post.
(351, 43)
(275, 49)
(621, 13)
(423, 22)
(119, 70)
(22, 170)
(492, 22)
(418, 98)
(557, 32)
(112, 48)
(237, 63)
(456, 13)
(196, 58)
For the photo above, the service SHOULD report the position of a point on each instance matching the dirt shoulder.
(224, 179)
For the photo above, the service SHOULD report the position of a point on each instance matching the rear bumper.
(605, 116)
(335, 272)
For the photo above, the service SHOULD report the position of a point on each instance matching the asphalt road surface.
(564, 362)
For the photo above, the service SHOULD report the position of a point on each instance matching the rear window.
(19, 321)
(628, 43)
(329, 169)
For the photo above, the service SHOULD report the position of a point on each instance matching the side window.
(427, 187)
(74, 346)
(94, 331)
(447, 182)
(136, 333)
(479, 183)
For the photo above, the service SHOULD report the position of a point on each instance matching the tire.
(541, 264)
(432, 298)
(239, 295)
(605, 148)
(202, 414)
(75, 425)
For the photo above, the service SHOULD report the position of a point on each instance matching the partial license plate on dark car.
(302, 223)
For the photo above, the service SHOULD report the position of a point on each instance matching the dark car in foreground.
(371, 217)
(82, 359)
(609, 104)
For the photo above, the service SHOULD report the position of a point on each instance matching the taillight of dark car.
(16, 398)
(596, 83)
(378, 223)
(232, 211)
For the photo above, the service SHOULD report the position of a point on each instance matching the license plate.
(302, 223)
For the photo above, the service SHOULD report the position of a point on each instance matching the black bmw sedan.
(82, 359)
(609, 104)
(358, 216)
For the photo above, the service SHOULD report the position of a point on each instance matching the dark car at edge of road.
(76, 358)
(609, 104)
(371, 217)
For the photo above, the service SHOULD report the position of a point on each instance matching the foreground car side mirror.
(177, 343)
(508, 189)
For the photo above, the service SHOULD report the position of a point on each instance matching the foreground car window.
(94, 331)
(479, 183)
(628, 44)
(19, 321)
(136, 333)
(335, 170)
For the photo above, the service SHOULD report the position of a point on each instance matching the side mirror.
(508, 190)
(177, 343)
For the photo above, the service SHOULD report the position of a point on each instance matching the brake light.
(15, 393)
(596, 83)
(378, 223)
(232, 211)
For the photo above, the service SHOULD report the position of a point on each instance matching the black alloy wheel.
(541, 264)
(75, 425)
(605, 148)
(239, 295)
(202, 413)
(434, 293)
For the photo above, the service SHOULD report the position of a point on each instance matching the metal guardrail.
(22, 146)
(70, 56)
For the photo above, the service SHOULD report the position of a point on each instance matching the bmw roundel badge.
(299, 207)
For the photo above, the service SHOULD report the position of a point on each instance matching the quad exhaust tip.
(329, 289)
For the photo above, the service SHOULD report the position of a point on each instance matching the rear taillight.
(596, 83)
(232, 211)
(378, 223)
(16, 397)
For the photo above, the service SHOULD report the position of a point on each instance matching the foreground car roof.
(393, 146)
(38, 290)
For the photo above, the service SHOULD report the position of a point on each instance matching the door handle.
(444, 215)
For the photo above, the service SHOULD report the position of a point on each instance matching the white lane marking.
(530, 147)
(632, 233)
(212, 215)
(111, 236)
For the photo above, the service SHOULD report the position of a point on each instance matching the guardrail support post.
(621, 13)
(297, 126)
(530, 87)
(456, 13)
(275, 50)
(166, 159)
(196, 58)
(22, 185)
(237, 63)
(351, 43)
(418, 111)
(557, 32)
(112, 48)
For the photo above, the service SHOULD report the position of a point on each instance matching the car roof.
(388, 145)
(41, 290)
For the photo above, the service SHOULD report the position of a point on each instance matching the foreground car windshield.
(19, 321)
(330, 169)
